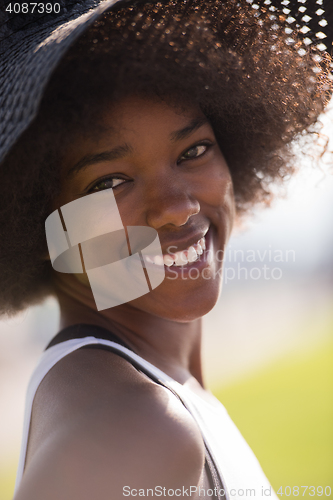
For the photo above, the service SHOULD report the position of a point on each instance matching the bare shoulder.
(99, 426)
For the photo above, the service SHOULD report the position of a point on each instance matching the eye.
(107, 183)
(194, 152)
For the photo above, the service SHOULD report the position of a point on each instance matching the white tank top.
(233, 460)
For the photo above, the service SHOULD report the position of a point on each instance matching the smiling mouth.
(182, 258)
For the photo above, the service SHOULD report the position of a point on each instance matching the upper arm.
(138, 438)
(94, 464)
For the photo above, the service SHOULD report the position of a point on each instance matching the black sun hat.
(35, 36)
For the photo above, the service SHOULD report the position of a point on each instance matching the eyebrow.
(178, 135)
(114, 154)
(125, 149)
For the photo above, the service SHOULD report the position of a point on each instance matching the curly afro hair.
(259, 87)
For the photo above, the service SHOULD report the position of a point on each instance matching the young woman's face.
(167, 172)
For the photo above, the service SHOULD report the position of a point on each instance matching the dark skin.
(181, 199)
(169, 174)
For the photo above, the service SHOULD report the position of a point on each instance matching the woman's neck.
(173, 347)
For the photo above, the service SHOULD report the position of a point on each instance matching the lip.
(184, 244)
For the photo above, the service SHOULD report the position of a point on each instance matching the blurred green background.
(286, 415)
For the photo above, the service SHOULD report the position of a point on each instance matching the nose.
(169, 202)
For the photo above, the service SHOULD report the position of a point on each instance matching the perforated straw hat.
(33, 40)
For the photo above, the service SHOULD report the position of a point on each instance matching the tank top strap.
(82, 330)
(82, 336)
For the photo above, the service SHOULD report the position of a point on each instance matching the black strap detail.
(214, 476)
(86, 330)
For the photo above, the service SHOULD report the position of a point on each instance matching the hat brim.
(28, 58)
(29, 55)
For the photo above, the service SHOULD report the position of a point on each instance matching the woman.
(181, 114)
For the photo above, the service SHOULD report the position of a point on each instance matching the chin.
(181, 306)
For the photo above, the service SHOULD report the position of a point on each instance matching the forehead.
(136, 113)
(136, 125)
(139, 120)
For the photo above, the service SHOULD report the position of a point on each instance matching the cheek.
(229, 207)
(215, 191)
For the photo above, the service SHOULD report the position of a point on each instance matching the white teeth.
(168, 260)
(158, 260)
(180, 258)
(191, 254)
(154, 259)
(199, 249)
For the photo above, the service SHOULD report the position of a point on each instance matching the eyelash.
(208, 145)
